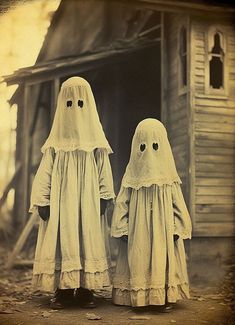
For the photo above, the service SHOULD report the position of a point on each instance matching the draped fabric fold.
(76, 123)
(74, 174)
(151, 160)
(151, 268)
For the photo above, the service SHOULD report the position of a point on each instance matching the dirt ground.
(20, 306)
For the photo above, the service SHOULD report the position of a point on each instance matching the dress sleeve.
(41, 188)
(182, 221)
(105, 174)
(119, 225)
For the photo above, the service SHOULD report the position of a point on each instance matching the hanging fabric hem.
(71, 280)
(150, 296)
(90, 266)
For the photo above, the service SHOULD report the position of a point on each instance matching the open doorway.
(126, 93)
(127, 90)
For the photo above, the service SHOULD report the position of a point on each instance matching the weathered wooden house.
(173, 60)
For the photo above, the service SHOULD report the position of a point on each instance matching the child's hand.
(124, 238)
(44, 212)
(176, 237)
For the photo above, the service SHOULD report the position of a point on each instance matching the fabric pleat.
(72, 248)
(150, 209)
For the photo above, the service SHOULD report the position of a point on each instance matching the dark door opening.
(126, 93)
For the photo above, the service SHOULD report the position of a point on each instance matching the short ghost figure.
(151, 219)
(70, 190)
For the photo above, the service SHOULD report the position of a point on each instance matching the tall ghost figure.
(70, 189)
(151, 219)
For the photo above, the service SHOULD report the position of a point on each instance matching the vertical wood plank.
(163, 73)
(25, 156)
(191, 118)
(54, 95)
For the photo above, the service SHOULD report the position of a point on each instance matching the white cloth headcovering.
(151, 160)
(76, 123)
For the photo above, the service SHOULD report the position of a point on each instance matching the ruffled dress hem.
(150, 296)
(71, 280)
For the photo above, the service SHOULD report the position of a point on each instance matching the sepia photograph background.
(170, 60)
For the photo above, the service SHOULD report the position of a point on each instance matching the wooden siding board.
(215, 103)
(220, 174)
(214, 131)
(215, 110)
(231, 76)
(215, 118)
(199, 50)
(218, 199)
(198, 79)
(217, 229)
(214, 136)
(214, 127)
(214, 217)
(214, 182)
(215, 190)
(215, 159)
(209, 167)
(199, 58)
(215, 208)
(199, 43)
(200, 71)
(217, 151)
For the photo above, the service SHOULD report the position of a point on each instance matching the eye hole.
(155, 146)
(80, 103)
(142, 147)
(69, 103)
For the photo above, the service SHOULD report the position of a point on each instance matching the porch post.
(25, 157)
(55, 92)
(163, 73)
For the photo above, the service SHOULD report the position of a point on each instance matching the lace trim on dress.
(107, 196)
(91, 266)
(72, 147)
(149, 182)
(150, 296)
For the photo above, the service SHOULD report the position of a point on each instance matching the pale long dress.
(151, 266)
(70, 248)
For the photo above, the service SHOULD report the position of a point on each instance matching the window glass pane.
(216, 64)
(184, 70)
(216, 48)
(216, 72)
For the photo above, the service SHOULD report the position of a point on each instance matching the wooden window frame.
(214, 92)
(182, 89)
